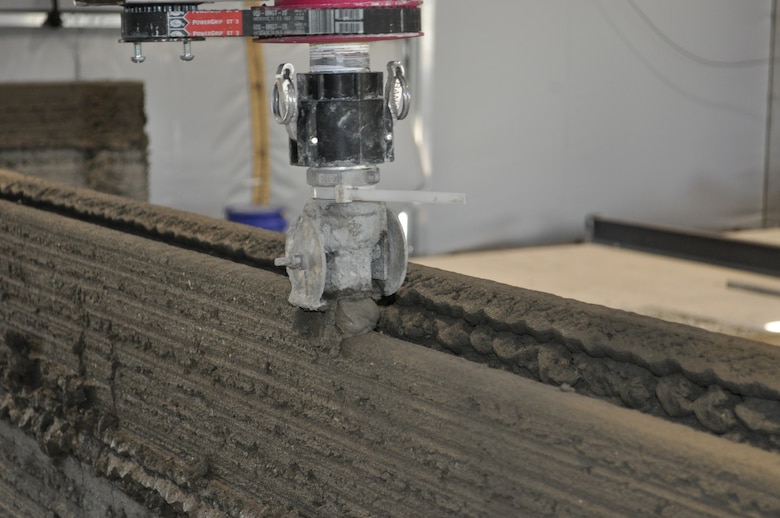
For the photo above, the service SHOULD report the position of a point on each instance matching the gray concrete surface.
(188, 383)
(703, 379)
(239, 243)
(33, 484)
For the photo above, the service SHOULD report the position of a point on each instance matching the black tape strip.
(247, 19)
(273, 23)
(153, 23)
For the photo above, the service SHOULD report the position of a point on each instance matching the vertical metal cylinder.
(342, 120)
(339, 57)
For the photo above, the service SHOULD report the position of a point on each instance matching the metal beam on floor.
(705, 247)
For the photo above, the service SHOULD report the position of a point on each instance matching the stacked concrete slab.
(721, 384)
(80, 133)
(150, 365)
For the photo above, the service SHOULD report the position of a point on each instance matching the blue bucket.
(270, 218)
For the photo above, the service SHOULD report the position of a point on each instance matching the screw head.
(187, 55)
(137, 56)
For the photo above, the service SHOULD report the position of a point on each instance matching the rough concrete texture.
(242, 243)
(187, 383)
(644, 363)
(723, 384)
(84, 133)
(76, 115)
(191, 385)
(32, 484)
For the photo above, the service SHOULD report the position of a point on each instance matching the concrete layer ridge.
(187, 383)
(236, 242)
(72, 115)
(725, 385)
(706, 380)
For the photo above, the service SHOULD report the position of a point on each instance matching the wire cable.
(691, 55)
(691, 95)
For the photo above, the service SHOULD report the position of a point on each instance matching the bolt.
(314, 140)
(294, 262)
(137, 56)
(389, 137)
(188, 55)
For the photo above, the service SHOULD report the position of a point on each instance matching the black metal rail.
(706, 247)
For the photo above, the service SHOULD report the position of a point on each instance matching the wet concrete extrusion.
(150, 365)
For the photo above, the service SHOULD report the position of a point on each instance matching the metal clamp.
(397, 94)
(285, 96)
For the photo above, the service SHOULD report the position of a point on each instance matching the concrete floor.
(672, 289)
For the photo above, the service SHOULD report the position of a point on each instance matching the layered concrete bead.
(677, 394)
(556, 366)
(482, 339)
(760, 415)
(715, 411)
(453, 334)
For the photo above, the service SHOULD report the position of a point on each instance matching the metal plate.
(308, 282)
(396, 255)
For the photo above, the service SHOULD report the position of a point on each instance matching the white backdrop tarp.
(542, 112)
(545, 112)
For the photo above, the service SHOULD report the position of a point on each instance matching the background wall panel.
(542, 112)
(545, 112)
